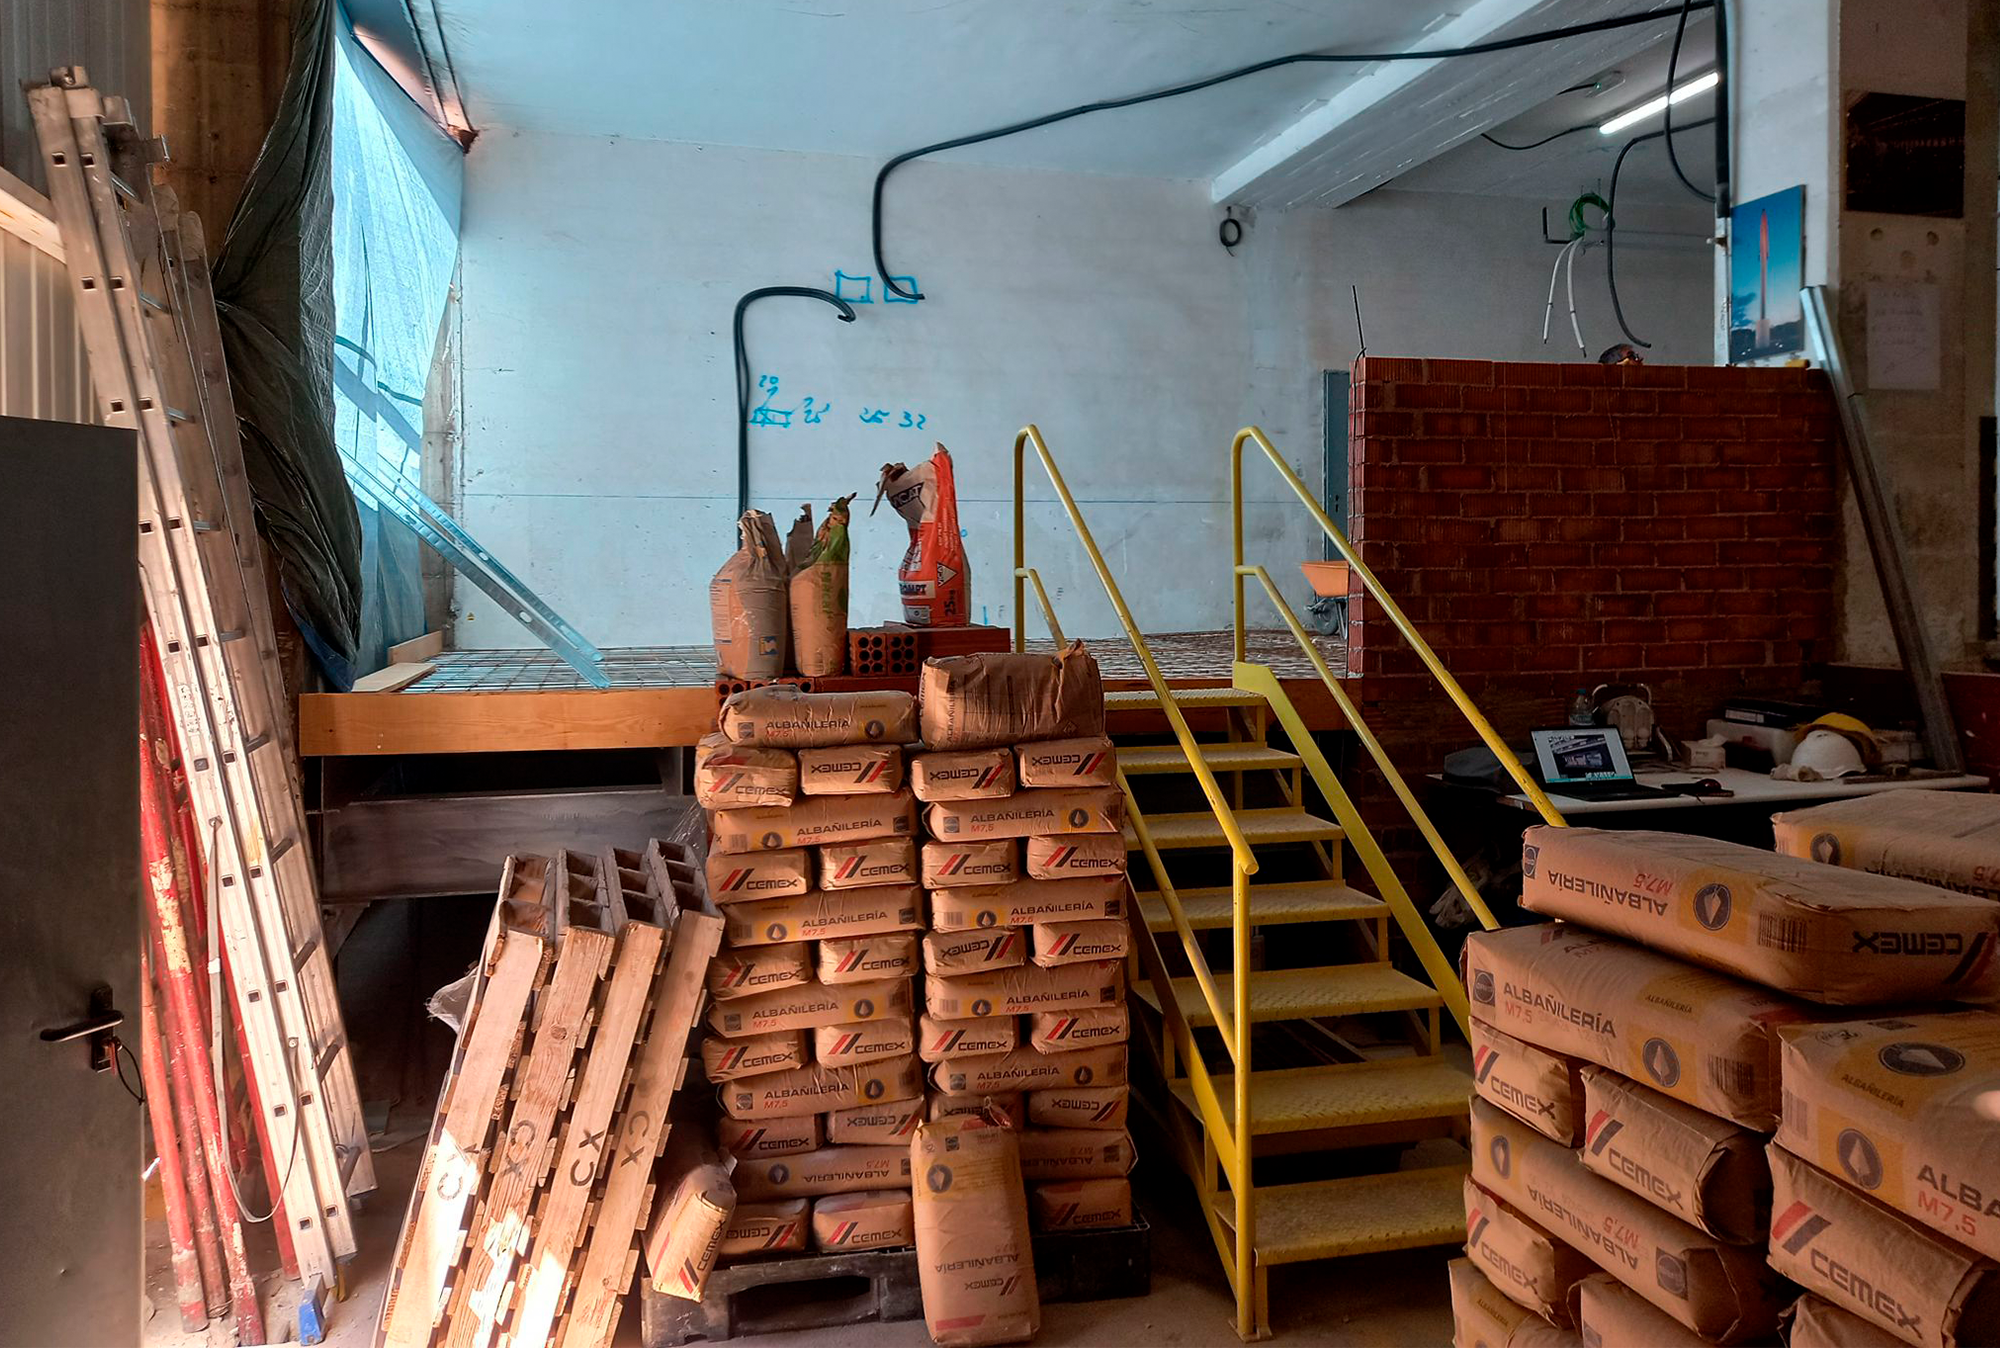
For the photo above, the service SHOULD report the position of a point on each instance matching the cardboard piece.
(934, 577)
(1089, 760)
(954, 865)
(1876, 1264)
(1060, 943)
(727, 1059)
(781, 716)
(1520, 1258)
(949, 953)
(854, 959)
(1076, 1153)
(729, 776)
(1542, 1089)
(1903, 1108)
(1950, 839)
(1097, 1107)
(970, 774)
(759, 875)
(1010, 1107)
(1485, 1317)
(835, 1045)
(1821, 1324)
(1026, 1070)
(1723, 1292)
(777, 1227)
(1823, 933)
(1707, 1171)
(938, 1039)
(1072, 856)
(1080, 1205)
(974, 1262)
(685, 1237)
(809, 1007)
(1031, 988)
(1611, 1315)
(851, 770)
(830, 1170)
(1094, 809)
(989, 700)
(818, 596)
(742, 971)
(747, 603)
(1707, 1040)
(885, 1125)
(822, 1087)
(1066, 1031)
(1029, 901)
(814, 820)
(878, 861)
(874, 1219)
(767, 1139)
(818, 915)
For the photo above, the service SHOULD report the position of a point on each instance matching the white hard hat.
(1828, 754)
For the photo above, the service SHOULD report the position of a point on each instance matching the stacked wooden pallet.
(538, 1173)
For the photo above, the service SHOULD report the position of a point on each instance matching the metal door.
(70, 1216)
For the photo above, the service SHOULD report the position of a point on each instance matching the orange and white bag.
(934, 578)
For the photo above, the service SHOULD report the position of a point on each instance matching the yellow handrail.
(1508, 762)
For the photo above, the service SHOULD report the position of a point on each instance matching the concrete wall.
(598, 453)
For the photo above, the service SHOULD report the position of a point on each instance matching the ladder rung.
(154, 303)
(176, 416)
(284, 845)
(121, 187)
(328, 1054)
(305, 952)
(203, 526)
(256, 742)
(232, 634)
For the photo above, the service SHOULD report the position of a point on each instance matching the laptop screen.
(1581, 755)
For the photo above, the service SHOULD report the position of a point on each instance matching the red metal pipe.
(173, 1180)
(207, 1230)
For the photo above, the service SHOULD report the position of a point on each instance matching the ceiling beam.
(1402, 113)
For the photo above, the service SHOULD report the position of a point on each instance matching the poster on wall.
(1766, 272)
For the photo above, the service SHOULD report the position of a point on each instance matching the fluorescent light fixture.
(1699, 84)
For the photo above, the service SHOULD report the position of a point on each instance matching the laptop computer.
(1587, 763)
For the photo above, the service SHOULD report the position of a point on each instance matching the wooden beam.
(459, 723)
(394, 678)
(417, 648)
(27, 215)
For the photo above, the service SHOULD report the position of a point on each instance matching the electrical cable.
(118, 1047)
(1722, 110)
(1537, 144)
(743, 375)
(889, 283)
(1569, 284)
(1611, 227)
(1673, 66)
(1549, 309)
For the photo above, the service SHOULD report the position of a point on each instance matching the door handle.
(97, 1027)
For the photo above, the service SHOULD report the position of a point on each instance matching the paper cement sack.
(1080, 1205)
(1023, 991)
(851, 770)
(1092, 809)
(809, 1007)
(1611, 1315)
(1723, 1292)
(1904, 1108)
(685, 1236)
(1028, 901)
(938, 1039)
(1010, 1107)
(1089, 760)
(780, 715)
(1542, 1089)
(853, 959)
(1026, 1070)
(729, 776)
(995, 699)
(1076, 1153)
(1060, 943)
(766, 1228)
(818, 596)
(1485, 1317)
(1950, 839)
(877, 861)
(835, 1045)
(885, 1125)
(815, 819)
(727, 1059)
(949, 953)
(767, 1139)
(1707, 1171)
(1067, 1031)
(955, 865)
(1823, 933)
(1521, 1259)
(830, 1170)
(1072, 856)
(974, 1262)
(973, 774)
(819, 915)
(1099, 1107)
(934, 577)
(874, 1219)
(1877, 1264)
(822, 1087)
(759, 875)
(747, 603)
(1821, 1324)
(1706, 1040)
(741, 971)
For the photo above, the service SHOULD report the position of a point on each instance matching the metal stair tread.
(1300, 994)
(1363, 1214)
(1145, 699)
(1199, 828)
(1305, 1099)
(1301, 901)
(1149, 759)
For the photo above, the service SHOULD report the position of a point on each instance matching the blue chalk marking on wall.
(813, 410)
(763, 414)
(908, 283)
(854, 289)
(874, 416)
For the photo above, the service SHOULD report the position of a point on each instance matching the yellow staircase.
(1317, 1041)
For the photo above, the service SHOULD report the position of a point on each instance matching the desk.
(1755, 789)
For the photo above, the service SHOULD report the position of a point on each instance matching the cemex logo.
(1482, 1063)
(1859, 1158)
(1482, 986)
(1476, 1223)
(1798, 1226)
(1663, 1065)
(1912, 1058)
(1711, 906)
(1528, 855)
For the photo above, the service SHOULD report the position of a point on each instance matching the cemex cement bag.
(819, 597)
(934, 579)
(747, 603)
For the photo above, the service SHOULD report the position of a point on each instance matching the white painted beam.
(1402, 113)
(26, 214)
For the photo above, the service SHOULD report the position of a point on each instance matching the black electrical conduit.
(1611, 221)
(743, 375)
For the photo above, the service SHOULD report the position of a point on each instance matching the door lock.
(96, 1027)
